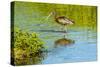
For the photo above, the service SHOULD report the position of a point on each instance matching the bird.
(62, 20)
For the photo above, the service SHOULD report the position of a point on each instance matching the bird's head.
(54, 13)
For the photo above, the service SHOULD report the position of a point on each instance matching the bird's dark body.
(63, 20)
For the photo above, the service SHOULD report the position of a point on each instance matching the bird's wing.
(68, 21)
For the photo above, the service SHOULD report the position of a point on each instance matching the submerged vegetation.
(27, 48)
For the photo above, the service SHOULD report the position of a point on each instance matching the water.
(84, 49)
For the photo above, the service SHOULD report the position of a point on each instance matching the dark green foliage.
(27, 48)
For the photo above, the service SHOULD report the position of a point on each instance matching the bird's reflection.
(64, 42)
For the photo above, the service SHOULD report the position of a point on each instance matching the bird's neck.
(55, 16)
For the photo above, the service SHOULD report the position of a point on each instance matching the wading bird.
(62, 20)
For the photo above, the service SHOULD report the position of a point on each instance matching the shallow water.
(84, 48)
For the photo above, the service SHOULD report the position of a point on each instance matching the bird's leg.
(65, 31)
(64, 28)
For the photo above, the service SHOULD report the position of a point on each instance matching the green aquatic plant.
(27, 48)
